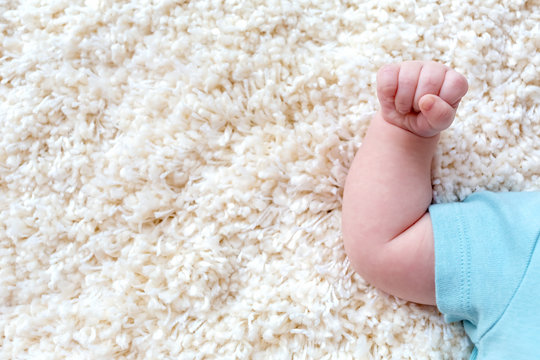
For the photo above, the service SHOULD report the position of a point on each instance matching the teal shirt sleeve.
(485, 264)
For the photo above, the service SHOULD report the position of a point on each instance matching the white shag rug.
(171, 172)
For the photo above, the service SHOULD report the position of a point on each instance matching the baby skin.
(387, 230)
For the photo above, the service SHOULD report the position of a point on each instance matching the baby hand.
(420, 96)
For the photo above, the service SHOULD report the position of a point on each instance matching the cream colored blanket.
(171, 172)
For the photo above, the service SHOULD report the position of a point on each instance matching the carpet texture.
(171, 172)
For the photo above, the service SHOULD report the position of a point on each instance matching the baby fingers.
(455, 86)
(430, 81)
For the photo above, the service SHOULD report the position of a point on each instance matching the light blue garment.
(487, 271)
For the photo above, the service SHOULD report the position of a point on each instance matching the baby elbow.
(364, 246)
(363, 256)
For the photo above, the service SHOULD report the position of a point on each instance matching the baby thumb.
(437, 112)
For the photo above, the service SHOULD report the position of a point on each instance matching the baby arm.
(386, 227)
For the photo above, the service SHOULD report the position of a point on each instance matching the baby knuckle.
(387, 90)
(431, 80)
(407, 82)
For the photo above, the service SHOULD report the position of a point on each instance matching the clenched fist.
(420, 96)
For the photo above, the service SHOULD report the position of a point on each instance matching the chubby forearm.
(388, 188)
